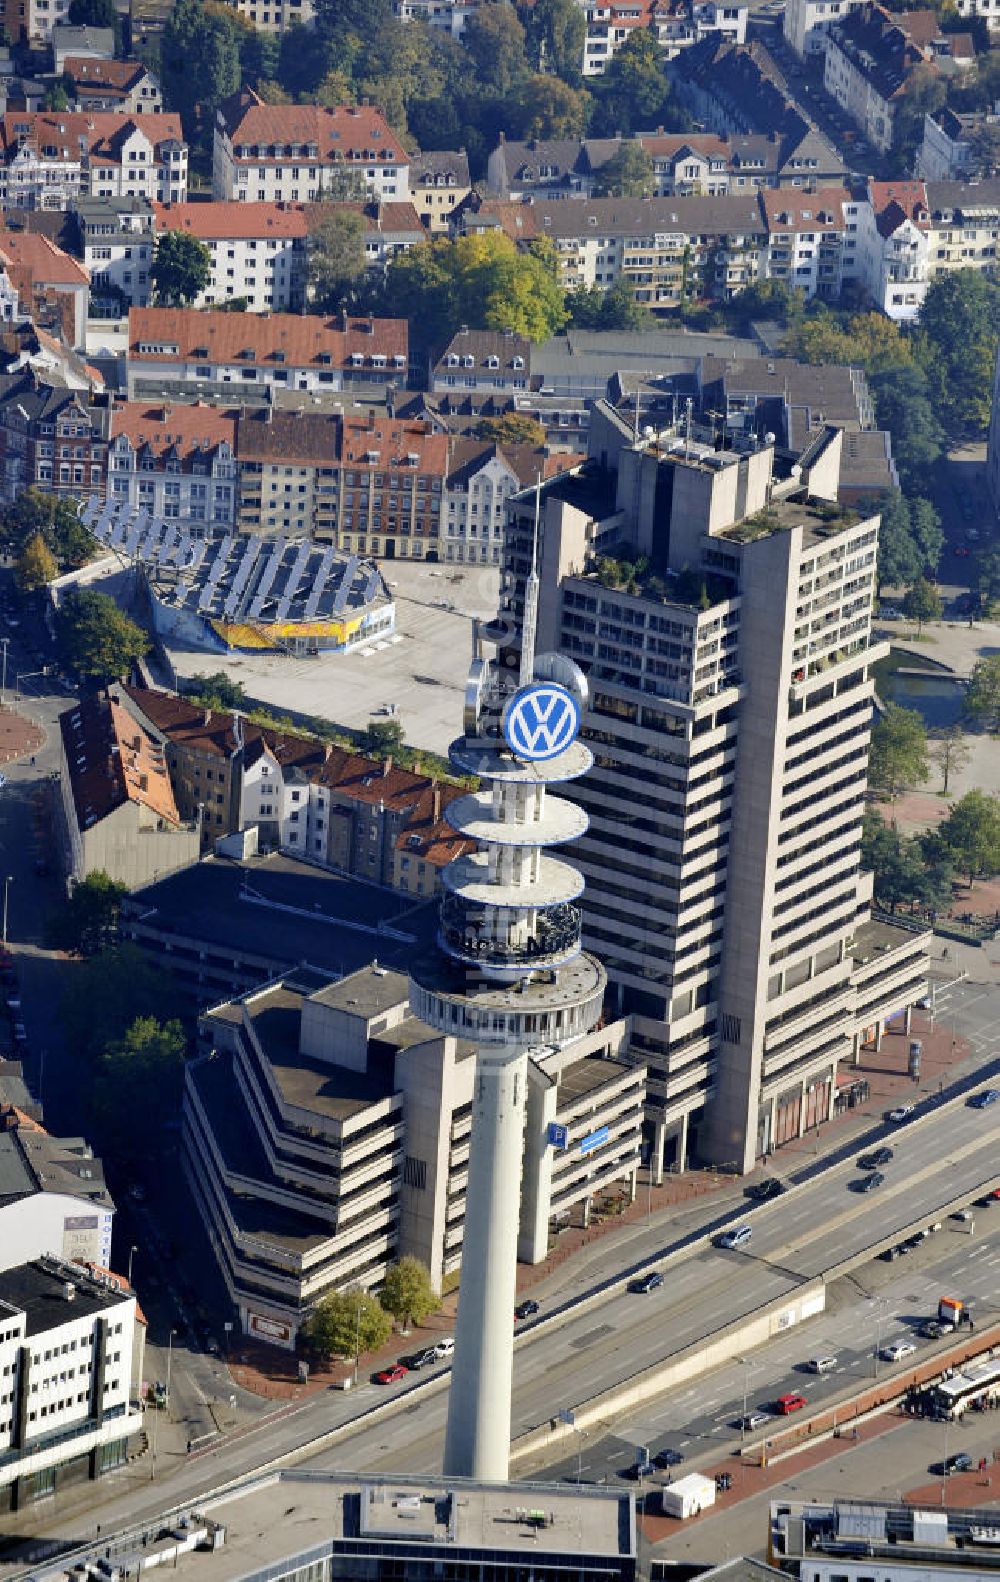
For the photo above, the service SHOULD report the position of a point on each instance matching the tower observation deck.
(508, 973)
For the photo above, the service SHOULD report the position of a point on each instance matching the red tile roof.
(283, 339)
(346, 133)
(790, 210)
(62, 135)
(111, 760)
(38, 262)
(219, 220)
(119, 76)
(181, 429)
(897, 201)
(382, 442)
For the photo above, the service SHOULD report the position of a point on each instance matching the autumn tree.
(346, 1323)
(511, 428)
(336, 255)
(407, 1292)
(483, 281)
(97, 639)
(950, 751)
(36, 565)
(545, 106)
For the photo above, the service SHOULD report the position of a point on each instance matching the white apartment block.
(287, 153)
(66, 1347)
(50, 159)
(479, 486)
(807, 23)
(258, 251)
(989, 10)
(912, 231)
(327, 1134)
(449, 16)
(730, 710)
(813, 241)
(680, 23)
(117, 252)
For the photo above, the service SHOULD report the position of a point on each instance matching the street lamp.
(170, 1358)
(881, 1303)
(8, 881)
(748, 1368)
(131, 1253)
(357, 1339)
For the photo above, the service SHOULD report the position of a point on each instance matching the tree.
(483, 281)
(617, 308)
(88, 921)
(902, 406)
(137, 1084)
(957, 348)
(922, 602)
(950, 752)
(336, 254)
(898, 756)
(58, 96)
(511, 428)
(910, 538)
(97, 13)
(56, 519)
(982, 695)
(98, 639)
(971, 835)
(988, 578)
(556, 34)
(36, 565)
(217, 691)
(494, 41)
(382, 738)
(181, 268)
(634, 92)
(627, 174)
(200, 64)
(866, 340)
(924, 93)
(346, 1323)
(106, 993)
(407, 1292)
(984, 148)
(543, 106)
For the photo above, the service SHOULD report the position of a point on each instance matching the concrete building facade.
(730, 710)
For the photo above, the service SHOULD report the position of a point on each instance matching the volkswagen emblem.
(541, 720)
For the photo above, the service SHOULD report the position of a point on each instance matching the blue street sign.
(595, 1140)
(558, 1135)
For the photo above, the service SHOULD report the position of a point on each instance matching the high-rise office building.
(719, 602)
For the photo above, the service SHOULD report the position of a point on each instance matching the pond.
(935, 693)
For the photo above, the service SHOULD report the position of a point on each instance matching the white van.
(821, 1364)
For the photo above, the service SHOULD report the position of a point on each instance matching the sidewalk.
(18, 735)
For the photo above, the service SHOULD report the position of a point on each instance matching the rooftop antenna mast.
(687, 429)
(531, 598)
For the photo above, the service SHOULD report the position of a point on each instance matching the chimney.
(387, 767)
(206, 718)
(437, 803)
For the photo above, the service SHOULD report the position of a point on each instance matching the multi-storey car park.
(720, 603)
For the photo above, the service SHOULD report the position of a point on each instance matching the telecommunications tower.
(508, 973)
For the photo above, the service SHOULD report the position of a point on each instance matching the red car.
(790, 1403)
(960, 550)
(391, 1375)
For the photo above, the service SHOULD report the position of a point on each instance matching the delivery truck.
(689, 1496)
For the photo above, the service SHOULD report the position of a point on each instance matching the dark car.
(876, 1159)
(890, 1254)
(930, 1329)
(764, 1191)
(423, 1359)
(668, 1458)
(961, 1461)
(983, 1100)
(527, 1309)
(871, 1182)
(646, 1282)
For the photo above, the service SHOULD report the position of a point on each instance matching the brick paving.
(19, 736)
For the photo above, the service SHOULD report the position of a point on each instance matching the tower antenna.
(530, 626)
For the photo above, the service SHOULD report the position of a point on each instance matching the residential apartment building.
(47, 281)
(486, 360)
(912, 231)
(327, 1134)
(993, 442)
(870, 56)
(54, 1198)
(269, 153)
(175, 462)
(187, 354)
(439, 182)
(738, 89)
(729, 715)
(388, 491)
(70, 42)
(67, 1338)
(116, 236)
(123, 85)
(482, 478)
(274, 16)
(51, 437)
(449, 16)
(48, 159)
(680, 23)
(812, 239)
(339, 809)
(121, 817)
(258, 251)
(806, 23)
(946, 150)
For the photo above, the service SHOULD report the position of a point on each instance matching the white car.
(445, 1348)
(897, 1350)
(3, 780)
(901, 1113)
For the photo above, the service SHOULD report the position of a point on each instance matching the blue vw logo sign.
(541, 720)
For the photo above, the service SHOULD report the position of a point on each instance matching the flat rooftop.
(278, 911)
(289, 1513)
(876, 938)
(821, 520)
(38, 1290)
(366, 993)
(589, 1075)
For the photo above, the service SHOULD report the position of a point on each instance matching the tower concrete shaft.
(477, 1443)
